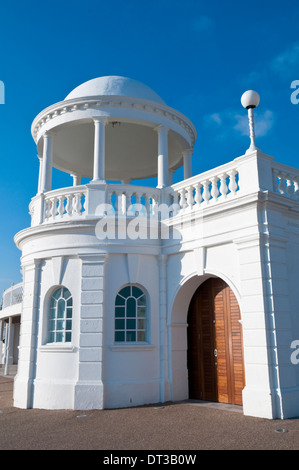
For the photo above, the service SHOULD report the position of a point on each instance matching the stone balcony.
(245, 175)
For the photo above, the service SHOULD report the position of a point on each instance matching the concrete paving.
(183, 426)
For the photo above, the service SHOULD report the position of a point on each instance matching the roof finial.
(250, 100)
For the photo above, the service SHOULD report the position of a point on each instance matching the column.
(162, 156)
(76, 179)
(187, 155)
(46, 180)
(40, 174)
(99, 151)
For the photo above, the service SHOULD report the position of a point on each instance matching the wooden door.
(215, 345)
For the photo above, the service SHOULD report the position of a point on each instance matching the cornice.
(97, 103)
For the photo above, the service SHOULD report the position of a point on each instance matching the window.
(60, 316)
(130, 315)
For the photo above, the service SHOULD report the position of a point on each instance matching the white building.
(191, 294)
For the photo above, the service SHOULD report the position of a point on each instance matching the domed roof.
(116, 86)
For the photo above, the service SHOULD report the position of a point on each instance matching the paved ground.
(178, 427)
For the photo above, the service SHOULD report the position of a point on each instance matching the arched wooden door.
(215, 344)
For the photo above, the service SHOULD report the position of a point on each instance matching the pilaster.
(23, 388)
(89, 393)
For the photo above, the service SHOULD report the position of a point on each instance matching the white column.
(76, 179)
(40, 174)
(99, 151)
(46, 180)
(7, 345)
(187, 155)
(162, 156)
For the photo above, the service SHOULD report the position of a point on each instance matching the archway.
(215, 344)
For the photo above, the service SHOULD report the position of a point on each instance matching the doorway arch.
(215, 344)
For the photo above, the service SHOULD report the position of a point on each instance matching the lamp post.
(250, 100)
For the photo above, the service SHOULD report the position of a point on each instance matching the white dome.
(116, 86)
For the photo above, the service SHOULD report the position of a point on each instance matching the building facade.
(135, 295)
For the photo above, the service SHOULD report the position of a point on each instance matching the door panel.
(215, 346)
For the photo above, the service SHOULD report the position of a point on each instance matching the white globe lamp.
(250, 100)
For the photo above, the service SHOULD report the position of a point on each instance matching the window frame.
(54, 316)
(141, 317)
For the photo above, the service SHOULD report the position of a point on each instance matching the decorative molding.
(63, 107)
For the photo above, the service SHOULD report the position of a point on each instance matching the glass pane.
(61, 308)
(119, 311)
(131, 307)
(125, 292)
(119, 324)
(142, 301)
(57, 294)
(69, 312)
(141, 324)
(59, 337)
(141, 312)
(53, 302)
(60, 325)
(131, 336)
(52, 313)
(68, 336)
(69, 302)
(68, 325)
(51, 337)
(140, 335)
(136, 292)
(131, 324)
(119, 336)
(66, 293)
(52, 325)
(119, 300)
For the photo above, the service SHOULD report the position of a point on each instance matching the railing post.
(255, 173)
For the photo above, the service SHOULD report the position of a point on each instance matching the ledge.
(131, 347)
(57, 347)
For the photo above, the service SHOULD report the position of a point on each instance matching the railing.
(65, 202)
(207, 188)
(286, 181)
(244, 176)
(128, 199)
(12, 296)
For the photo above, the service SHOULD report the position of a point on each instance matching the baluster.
(129, 210)
(182, 202)
(198, 196)
(47, 209)
(232, 182)
(147, 204)
(282, 184)
(189, 198)
(77, 204)
(223, 185)
(68, 206)
(214, 189)
(296, 188)
(154, 204)
(290, 187)
(206, 192)
(53, 206)
(275, 182)
(60, 209)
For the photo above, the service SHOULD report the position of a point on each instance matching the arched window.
(60, 316)
(130, 315)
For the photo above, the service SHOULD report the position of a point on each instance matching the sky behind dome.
(198, 55)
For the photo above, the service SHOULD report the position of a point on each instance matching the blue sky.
(198, 55)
